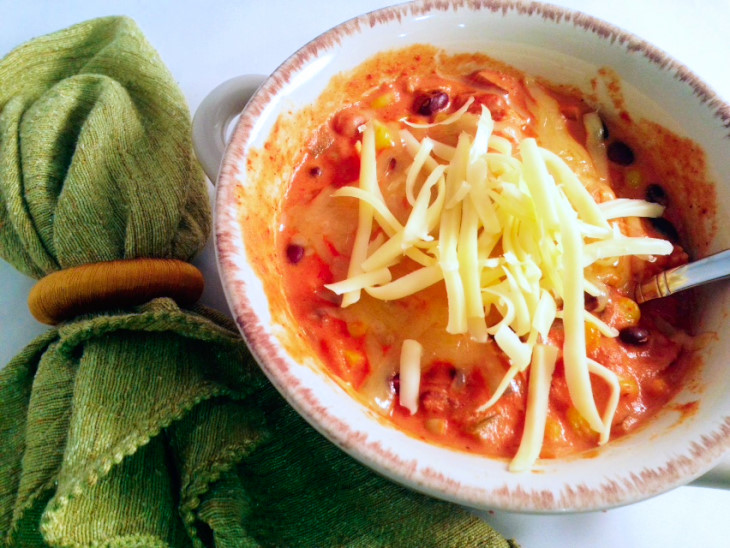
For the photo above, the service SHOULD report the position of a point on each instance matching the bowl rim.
(678, 470)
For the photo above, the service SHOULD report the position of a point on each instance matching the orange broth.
(360, 344)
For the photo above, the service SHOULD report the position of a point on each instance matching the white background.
(206, 43)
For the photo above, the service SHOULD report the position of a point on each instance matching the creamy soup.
(461, 245)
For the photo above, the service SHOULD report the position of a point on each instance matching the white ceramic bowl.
(566, 47)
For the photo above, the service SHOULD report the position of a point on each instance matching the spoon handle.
(712, 268)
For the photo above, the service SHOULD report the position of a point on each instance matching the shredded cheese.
(360, 281)
(410, 374)
(612, 379)
(574, 348)
(423, 152)
(624, 207)
(540, 183)
(538, 391)
(407, 285)
(368, 183)
(504, 228)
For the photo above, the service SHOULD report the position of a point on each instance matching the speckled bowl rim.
(614, 492)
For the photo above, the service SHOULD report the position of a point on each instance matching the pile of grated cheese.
(510, 230)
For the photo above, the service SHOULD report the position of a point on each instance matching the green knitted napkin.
(152, 426)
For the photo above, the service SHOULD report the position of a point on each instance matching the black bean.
(430, 102)
(655, 193)
(294, 253)
(666, 228)
(620, 153)
(637, 336)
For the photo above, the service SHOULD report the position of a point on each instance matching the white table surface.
(207, 42)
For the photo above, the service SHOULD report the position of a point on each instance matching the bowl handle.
(214, 116)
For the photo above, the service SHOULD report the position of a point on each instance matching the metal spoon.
(712, 268)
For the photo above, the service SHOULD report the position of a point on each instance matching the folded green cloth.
(152, 426)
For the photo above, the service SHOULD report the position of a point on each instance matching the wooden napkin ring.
(101, 286)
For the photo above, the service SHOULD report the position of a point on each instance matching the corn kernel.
(357, 329)
(383, 137)
(633, 178)
(658, 387)
(354, 358)
(553, 430)
(629, 312)
(593, 337)
(579, 424)
(384, 100)
(436, 426)
(441, 116)
(628, 387)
